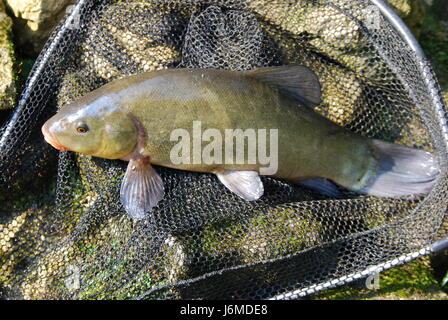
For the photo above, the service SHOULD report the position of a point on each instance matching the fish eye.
(82, 128)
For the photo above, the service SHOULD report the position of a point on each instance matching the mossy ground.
(434, 40)
(412, 281)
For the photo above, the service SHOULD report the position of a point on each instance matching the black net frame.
(339, 251)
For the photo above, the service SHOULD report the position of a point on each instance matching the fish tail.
(402, 171)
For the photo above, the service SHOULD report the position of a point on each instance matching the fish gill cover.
(64, 233)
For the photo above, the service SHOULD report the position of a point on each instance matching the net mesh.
(63, 232)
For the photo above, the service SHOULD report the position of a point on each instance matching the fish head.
(100, 128)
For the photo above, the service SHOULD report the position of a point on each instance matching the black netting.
(68, 236)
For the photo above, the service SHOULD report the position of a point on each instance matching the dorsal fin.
(298, 81)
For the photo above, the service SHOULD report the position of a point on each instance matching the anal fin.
(246, 184)
(141, 189)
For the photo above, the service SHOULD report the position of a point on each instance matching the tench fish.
(134, 118)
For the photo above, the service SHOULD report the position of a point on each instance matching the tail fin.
(402, 171)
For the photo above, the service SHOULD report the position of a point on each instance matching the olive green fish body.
(308, 144)
(134, 119)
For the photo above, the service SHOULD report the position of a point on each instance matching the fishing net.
(64, 233)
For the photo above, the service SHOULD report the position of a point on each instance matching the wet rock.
(412, 12)
(142, 47)
(8, 90)
(272, 234)
(34, 20)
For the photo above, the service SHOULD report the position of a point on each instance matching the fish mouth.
(52, 140)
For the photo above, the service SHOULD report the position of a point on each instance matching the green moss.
(272, 234)
(99, 280)
(444, 282)
(414, 280)
(142, 283)
(8, 65)
(434, 40)
(24, 67)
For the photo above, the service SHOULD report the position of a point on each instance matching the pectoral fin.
(141, 189)
(246, 184)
